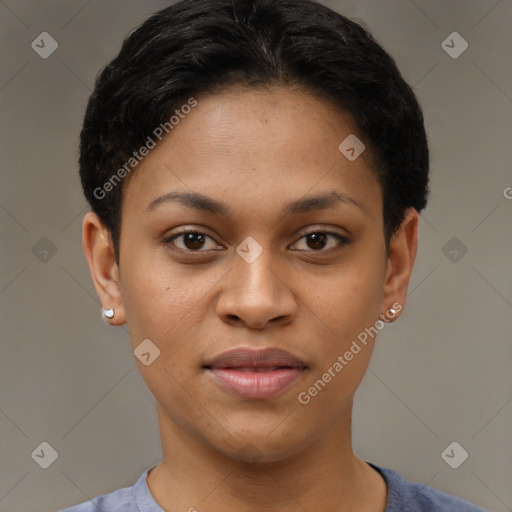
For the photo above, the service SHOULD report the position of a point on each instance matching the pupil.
(318, 238)
(189, 240)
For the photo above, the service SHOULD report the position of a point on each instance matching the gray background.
(442, 373)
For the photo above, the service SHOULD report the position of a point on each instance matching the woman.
(255, 171)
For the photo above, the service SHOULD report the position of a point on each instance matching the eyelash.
(343, 241)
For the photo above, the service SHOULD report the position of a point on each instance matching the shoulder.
(127, 499)
(117, 501)
(406, 496)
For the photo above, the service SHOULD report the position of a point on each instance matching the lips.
(256, 374)
(263, 359)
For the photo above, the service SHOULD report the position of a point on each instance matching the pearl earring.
(384, 317)
(108, 313)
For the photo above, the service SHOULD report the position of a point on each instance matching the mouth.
(255, 374)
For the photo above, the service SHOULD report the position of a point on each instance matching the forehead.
(256, 146)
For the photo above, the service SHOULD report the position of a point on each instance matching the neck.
(324, 476)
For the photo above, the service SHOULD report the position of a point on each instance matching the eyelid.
(322, 229)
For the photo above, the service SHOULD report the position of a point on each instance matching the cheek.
(168, 305)
(347, 302)
(346, 310)
(343, 354)
(157, 296)
(165, 308)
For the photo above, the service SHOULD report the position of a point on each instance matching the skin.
(255, 151)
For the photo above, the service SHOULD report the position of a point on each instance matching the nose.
(257, 294)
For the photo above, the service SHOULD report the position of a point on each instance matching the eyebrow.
(206, 204)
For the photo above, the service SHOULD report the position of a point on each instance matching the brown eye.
(191, 241)
(317, 241)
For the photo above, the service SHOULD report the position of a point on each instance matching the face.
(264, 266)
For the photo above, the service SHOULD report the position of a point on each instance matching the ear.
(98, 249)
(402, 254)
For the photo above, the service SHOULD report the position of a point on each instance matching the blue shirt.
(403, 496)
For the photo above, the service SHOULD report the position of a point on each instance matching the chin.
(259, 445)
